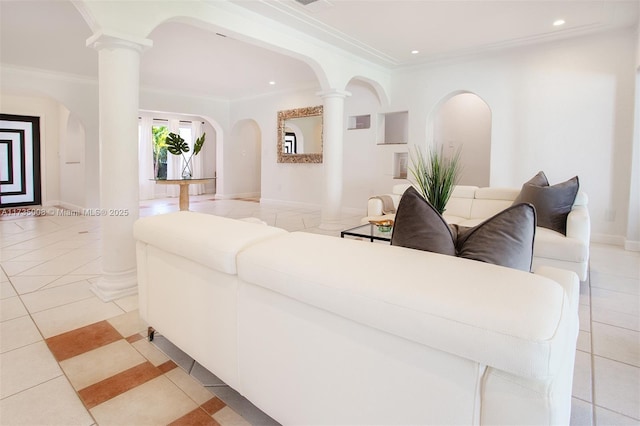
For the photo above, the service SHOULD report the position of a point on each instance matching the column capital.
(334, 93)
(102, 39)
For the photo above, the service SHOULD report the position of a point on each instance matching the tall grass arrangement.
(435, 175)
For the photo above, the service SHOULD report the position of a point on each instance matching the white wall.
(72, 160)
(633, 228)
(294, 183)
(244, 152)
(22, 88)
(70, 107)
(367, 166)
(464, 123)
(563, 107)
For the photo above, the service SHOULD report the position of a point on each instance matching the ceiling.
(51, 35)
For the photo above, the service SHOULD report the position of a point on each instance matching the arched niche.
(462, 120)
(72, 159)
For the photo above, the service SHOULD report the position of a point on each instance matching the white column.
(119, 76)
(332, 156)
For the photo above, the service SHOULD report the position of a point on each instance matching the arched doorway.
(463, 121)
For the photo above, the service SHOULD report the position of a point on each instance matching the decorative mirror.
(300, 135)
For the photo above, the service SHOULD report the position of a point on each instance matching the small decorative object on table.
(383, 225)
(177, 146)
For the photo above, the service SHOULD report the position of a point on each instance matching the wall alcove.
(463, 120)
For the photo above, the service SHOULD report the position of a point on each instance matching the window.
(185, 133)
(159, 151)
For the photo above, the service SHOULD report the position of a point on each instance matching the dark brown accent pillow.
(418, 225)
(505, 239)
(552, 203)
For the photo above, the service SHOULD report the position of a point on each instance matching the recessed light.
(558, 22)
(415, 52)
(273, 83)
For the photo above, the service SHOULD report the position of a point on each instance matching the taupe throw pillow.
(418, 225)
(552, 203)
(505, 239)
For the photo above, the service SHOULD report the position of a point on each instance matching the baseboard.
(632, 245)
(237, 195)
(614, 240)
(70, 206)
(62, 208)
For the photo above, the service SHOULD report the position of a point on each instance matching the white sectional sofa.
(319, 330)
(470, 205)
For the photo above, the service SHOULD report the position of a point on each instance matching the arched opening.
(463, 121)
(154, 160)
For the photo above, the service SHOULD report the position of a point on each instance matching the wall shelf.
(400, 161)
(393, 128)
(356, 122)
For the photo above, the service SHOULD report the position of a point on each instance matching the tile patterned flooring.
(68, 358)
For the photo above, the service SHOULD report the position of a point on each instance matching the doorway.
(19, 161)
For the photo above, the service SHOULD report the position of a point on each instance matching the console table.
(184, 188)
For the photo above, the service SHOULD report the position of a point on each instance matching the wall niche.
(393, 128)
(359, 122)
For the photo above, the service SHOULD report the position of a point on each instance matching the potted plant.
(436, 176)
(176, 145)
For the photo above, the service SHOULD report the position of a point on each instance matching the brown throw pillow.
(552, 203)
(505, 239)
(418, 225)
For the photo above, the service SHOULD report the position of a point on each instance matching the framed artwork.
(19, 161)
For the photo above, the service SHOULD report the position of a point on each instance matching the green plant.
(159, 148)
(436, 176)
(176, 145)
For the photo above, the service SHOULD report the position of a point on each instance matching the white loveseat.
(319, 330)
(470, 205)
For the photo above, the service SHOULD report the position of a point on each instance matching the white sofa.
(319, 330)
(470, 205)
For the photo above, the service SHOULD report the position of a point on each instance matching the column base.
(112, 286)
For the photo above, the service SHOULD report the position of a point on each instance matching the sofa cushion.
(552, 203)
(496, 193)
(212, 241)
(553, 245)
(505, 239)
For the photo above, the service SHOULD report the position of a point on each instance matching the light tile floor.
(48, 263)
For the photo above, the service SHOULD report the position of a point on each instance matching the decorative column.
(118, 80)
(332, 156)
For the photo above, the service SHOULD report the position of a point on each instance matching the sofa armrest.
(579, 224)
(374, 205)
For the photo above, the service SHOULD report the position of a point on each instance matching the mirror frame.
(299, 113)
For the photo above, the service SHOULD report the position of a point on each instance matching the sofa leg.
(150, 333)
